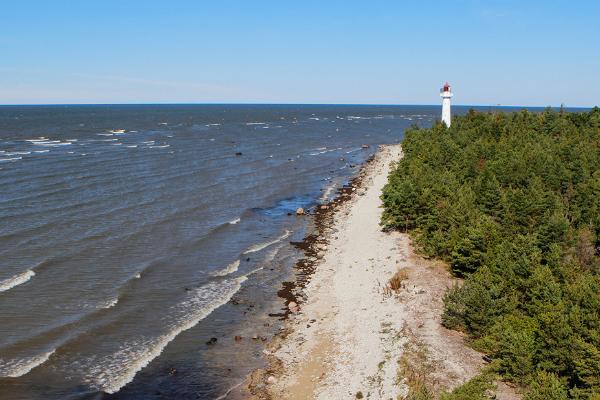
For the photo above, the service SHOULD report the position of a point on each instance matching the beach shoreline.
(347, 334)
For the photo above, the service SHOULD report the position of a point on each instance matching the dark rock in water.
(172, 371)
(213, 340)
(238, 338)
(365, 146)
(248, 259)
(239, 153)
(289, 213)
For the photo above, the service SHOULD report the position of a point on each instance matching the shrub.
(546, 386)
(476, 388)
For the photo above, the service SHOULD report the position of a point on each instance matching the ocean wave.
(256, 123)
(230, 269)
(10, 159)
(53, 143)
(110, 303)
(19, 367)
(112, 372)
(261, 246)
(16, 280)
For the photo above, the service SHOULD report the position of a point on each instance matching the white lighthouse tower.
(446, 95)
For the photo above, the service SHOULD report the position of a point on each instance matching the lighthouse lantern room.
(446, 95)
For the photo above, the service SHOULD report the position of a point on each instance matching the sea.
(136, 241)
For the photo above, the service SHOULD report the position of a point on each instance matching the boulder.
(300, 211)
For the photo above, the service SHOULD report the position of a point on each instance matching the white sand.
(349, 336)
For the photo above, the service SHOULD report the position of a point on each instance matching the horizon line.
(288, 104)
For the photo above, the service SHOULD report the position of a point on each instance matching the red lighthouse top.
(446, 87)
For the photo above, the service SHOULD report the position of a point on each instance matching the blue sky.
(365, 52)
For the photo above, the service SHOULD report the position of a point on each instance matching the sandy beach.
(353, 337)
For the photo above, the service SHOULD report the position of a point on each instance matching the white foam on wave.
(18, 367)
(16, 280)
(110, 303)
(53, 143)
(112, 372)
(235, 221)
(10, 159)
(266, 261)
(261, 246)
(41, 151)
(256, 123)
(164, 146)
(15, 153)
(229, 269)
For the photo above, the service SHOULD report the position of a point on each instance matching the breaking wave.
(19, 367)
(16, 280)
(230, 269)
(112, 372)
(261, 246)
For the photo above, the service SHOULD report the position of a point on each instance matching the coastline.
(350, 335)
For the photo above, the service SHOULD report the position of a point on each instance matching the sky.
(524, 53)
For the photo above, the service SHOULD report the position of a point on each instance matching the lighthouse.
(446, 95)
